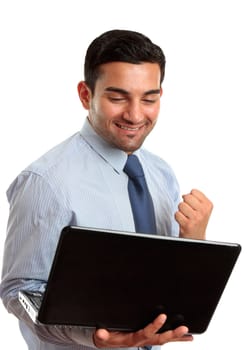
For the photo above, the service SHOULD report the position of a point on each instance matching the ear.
(161, 91)
(84, 94)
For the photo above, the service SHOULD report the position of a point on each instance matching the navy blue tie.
(140, 198)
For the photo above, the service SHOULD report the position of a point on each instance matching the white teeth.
(126, 128)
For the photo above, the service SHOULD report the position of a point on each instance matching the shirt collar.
(112, 155)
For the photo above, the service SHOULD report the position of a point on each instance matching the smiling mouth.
(127, 127)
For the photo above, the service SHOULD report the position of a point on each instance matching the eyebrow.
(125, 92)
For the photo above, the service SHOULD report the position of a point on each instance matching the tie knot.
(133, 168)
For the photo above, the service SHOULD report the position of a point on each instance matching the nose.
(133, 113)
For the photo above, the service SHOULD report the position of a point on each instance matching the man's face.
(125, 104)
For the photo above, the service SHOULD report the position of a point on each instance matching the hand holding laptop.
(144, 337)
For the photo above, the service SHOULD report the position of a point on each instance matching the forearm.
(29, 252)
(51, 334)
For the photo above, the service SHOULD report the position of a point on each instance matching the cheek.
(110, 111)
(102, 109)
(152, 112)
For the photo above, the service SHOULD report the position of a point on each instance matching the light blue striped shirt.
(79, 182)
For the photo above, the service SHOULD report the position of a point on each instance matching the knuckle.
(146, 333)
(161, 341)
(180, 205)
(211, 206)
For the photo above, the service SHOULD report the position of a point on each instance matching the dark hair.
(120, 46)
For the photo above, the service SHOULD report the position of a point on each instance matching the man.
(82, 182)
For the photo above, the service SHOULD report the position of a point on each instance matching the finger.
(204, 202)
(181, 218)
(180, 334)
(198, 194)
(198, 202)
(105, 339)
(150, 335)
(187, 210)
(102, 335)
(193, 201)
(177, 334)
(187, 226)
(154, 326)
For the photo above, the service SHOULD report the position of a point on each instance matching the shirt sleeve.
(38, 212)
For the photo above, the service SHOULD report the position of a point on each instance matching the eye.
(117, 99)
(149, 100)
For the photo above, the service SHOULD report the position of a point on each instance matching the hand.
(147, 336)
(193, 215)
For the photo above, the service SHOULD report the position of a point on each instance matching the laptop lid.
(122, 281)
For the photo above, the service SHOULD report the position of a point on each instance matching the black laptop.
(122, 281)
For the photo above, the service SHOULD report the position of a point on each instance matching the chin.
(128, 145)
(130, 149)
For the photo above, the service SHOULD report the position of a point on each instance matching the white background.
(202, 130)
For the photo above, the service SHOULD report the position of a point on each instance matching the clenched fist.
(193, 215)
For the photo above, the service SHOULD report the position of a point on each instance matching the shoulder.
(51, 168)
(56, 156)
